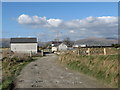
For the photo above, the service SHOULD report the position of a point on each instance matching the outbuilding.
(23, 45)
(62, 47)
(58, 46)
(55, 45)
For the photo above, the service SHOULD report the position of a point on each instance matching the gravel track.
(47, 72)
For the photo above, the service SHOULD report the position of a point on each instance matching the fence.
(97, 51)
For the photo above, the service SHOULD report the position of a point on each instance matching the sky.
(49, 20)
(60, 0)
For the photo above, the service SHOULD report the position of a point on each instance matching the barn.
(23, 45)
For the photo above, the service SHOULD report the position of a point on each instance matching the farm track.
(47, 72)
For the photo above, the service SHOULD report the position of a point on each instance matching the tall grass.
(102, 67)
(11, 67)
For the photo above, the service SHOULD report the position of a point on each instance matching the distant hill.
(42, 43)
(5, 42)
(97, 41)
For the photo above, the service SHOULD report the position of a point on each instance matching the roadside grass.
(11, 67)
(102, 67)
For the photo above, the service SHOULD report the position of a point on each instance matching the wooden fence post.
(30, 53)
(42, 53)
(88, 51)
(78, 52)
(104, 51)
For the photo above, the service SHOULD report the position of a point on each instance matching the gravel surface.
(47, 72)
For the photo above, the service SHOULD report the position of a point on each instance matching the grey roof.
(23, 40)
(56, 43)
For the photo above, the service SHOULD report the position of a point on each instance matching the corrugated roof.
(23, 40)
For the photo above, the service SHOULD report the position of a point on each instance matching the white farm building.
(23, 45)
(62, 47)
(58, 46)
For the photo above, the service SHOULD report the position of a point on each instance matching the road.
(47, 72)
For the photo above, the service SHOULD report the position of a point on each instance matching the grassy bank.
(104, 68)
(11, 67)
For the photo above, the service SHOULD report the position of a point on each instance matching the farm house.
(58, 46)
(23, 45)
(62, 47)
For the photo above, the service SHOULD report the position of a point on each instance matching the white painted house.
(62, 47)
(80, 45)
(23, 45)
(54, 49)
(55, 45)
(58, 46)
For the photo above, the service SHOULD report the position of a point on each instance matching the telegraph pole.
(57, 35)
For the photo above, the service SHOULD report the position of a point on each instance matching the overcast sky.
(74, 20)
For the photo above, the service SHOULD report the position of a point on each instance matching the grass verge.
(11, 67)
(102, 67)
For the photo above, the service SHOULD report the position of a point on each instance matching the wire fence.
(97, 51)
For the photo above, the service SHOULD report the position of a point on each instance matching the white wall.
(54, 49)
(24, 47)
(62, 47)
